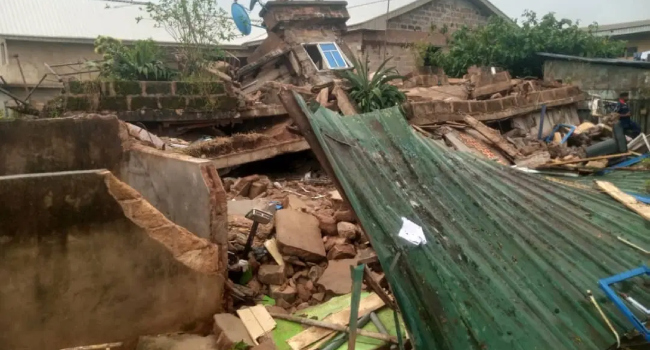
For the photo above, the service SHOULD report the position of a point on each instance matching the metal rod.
(602, 314)
(343, 337)
(96, 347)
(632, 245)
(20, 68)
(251, 235)
(380, 326)
(333, 326)
(14, 97)
(53, 72)
(35, 87)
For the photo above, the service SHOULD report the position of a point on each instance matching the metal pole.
(386, 30)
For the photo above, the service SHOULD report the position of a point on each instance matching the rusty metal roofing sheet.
(509, 256)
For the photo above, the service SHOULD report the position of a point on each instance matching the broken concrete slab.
(199, 204)
(271, 274)
(285, 293)
(298, 234)
(177, 342)
(294, 203)
(341, 251)
(347, 230)
(337, 278)
(109, 251)
(230, 330)
(261, 153)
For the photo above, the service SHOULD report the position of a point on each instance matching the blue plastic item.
(624, 164)
(642, 199)
(241, 18)
(571, 128)
(605, 284)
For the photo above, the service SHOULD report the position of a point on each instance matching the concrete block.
(271, 274)
(144, 102)
(113, 103)
(347, 230)
(230, 330)
(124, 88)
(288, 294)
(298, 234)
(158, 87)
(172, 102)
(341, 251)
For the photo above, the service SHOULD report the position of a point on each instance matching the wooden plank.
(452, 138)
(590, 159)
(272, 246)
(257, 320)
(346, 107)
(625, 199)
(323, 96)
(314, 334)
(497, 140)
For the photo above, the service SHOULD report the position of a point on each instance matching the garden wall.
(149, 100)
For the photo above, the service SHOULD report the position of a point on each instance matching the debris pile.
(303, 255)
(528, 123)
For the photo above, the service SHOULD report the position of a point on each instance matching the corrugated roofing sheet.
(509, 256)
(633, 182)
(609, 61)
(85, 20)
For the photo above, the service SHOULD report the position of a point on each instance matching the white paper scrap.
(412, 232)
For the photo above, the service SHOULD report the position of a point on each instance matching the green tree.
(199, 26)
(514, 47)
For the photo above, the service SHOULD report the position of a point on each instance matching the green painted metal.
(509, 256)
(357, 279)
(635, 182)
(287, 329)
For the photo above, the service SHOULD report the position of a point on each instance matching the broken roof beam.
(262, 61)
(428, 112)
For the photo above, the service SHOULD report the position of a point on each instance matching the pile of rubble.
(529, 123)
(302, 257)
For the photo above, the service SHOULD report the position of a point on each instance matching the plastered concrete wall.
(604, 80)
(61, 144)
(33, 55)
(187, 190)
(84, 260)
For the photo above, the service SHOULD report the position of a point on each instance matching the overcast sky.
(587, 11)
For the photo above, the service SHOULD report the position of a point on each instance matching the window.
(3, 53)
(327, 56)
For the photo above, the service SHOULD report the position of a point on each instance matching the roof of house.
(82, 21)
(607, 61)
(508, 257)
(359, 18)
(624, 28)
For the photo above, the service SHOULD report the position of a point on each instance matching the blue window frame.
(332, 56)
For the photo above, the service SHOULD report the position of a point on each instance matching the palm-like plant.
(142, 61)
(373, 93)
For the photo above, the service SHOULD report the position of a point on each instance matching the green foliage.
(505, 44)
(239, 346)
(199, 26)
(373, 93)
(142, 61)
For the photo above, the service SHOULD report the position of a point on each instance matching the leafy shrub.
(505, 44)
(142, 61)
(373, 93)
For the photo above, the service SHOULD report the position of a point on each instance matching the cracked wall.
(85, 260)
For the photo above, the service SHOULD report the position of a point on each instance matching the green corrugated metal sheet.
(635, 182)
(509, 256)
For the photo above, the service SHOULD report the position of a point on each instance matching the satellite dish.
(241, 18)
